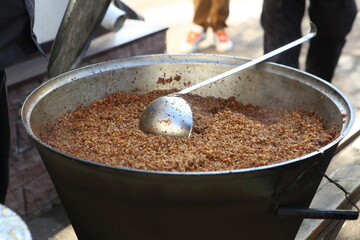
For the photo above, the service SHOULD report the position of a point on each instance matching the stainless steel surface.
(172, 116)
(167, 116)
(75, 33)
(196, 205)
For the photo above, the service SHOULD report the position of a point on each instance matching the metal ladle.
(171, 115)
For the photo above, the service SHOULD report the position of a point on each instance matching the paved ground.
(244, 28)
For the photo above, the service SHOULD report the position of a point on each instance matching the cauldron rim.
(343, 133)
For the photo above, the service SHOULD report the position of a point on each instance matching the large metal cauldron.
(105, 202)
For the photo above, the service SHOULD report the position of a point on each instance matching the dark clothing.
(281, 20)
(4, 138)
(17, 41)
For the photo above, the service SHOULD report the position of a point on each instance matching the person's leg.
(197, 32)
(201, 13)
(218, 14)
(281, 21)
(4, 138)
(334, 19)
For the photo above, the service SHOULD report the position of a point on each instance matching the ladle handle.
(268, 55)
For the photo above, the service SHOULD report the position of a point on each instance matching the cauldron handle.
(318, 213)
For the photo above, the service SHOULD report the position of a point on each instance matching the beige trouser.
(211, 13)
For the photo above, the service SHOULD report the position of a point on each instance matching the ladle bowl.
(168, 116)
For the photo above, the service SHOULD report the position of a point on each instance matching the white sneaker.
(194, 38)
(222, 42)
